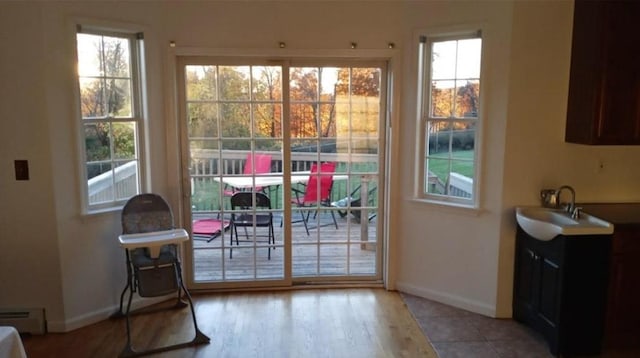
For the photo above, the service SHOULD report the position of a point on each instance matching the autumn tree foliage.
(227, 97)
(450, 101)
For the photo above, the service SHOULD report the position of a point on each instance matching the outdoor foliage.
(218, 103)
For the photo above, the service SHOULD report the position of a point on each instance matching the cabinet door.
(549, 291)
(623, 310)
(604, 88)
(619, 120)
(526, 284)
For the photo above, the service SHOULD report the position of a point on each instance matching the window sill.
(101, 211)
(454, 208)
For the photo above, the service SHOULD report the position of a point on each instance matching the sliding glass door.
(304, 135)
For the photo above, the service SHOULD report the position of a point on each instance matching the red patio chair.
(254, 164)
(314, 194)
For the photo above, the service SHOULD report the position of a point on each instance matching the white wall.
(451, 255)
(71, 264)
(29, 255)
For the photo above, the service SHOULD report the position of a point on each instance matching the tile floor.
(457, 333)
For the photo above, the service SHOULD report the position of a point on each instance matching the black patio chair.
(247, 213)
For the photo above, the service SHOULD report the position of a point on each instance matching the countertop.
(615, 213)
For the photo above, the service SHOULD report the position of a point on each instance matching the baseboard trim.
(448, 299)
(100, 315)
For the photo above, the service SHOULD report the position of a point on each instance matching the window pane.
(437, 175)
(100, 182)
(327, 120)
(267, 120)
(124, 140)
(368, 165)
(468, 58)
(235, 119)
(203, 146)
(364, 145)
(303, 121)
(89, 49)
(96, 169)
(328, 145)
(202, 120)
(439, 138)
(463, 167)
(267, 83)
(443, 60)
(467, 98)
(442, 93)
(330, 79)
(126, 183)
(97, 141)
(365, 82)
(119, 98)
(364, 115)
(116, 57)
(270, 145)
(92, 98)
(234, 82)
(461, 185)
(201, 82)
(304, 84)
(463, 140)
(237, 144)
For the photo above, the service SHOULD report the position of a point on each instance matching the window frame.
(424, 117)
(135, 39)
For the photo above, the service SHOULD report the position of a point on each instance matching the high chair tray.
(153, 240)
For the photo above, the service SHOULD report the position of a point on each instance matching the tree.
(268, 87)
(467, 99)
(362, 81)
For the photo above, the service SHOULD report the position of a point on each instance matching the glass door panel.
(335, 118)
(232, 119)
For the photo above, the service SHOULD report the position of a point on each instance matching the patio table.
(269, 179)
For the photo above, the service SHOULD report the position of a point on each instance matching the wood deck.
(325, 252)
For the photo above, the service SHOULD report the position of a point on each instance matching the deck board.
(327, 251)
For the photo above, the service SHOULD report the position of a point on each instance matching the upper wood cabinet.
(604, 87)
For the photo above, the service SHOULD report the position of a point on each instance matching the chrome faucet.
(571, 206)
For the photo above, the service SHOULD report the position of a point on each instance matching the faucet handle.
(575, 213)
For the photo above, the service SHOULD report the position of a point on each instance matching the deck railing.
(206, 163)
(105, 187)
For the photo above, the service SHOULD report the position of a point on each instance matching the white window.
(449, 118)
(111, 116)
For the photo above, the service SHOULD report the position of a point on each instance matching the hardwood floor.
(299, 323)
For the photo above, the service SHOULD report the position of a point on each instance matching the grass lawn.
(464, 166)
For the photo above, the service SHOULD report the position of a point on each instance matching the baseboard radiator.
(25, 320)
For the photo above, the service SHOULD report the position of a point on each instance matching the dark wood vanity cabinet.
(604, 87)
(622, 329)
(560, 289)
(623, 306)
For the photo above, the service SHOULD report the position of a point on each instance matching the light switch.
(22, 169)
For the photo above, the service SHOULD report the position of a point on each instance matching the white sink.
(545, 223)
